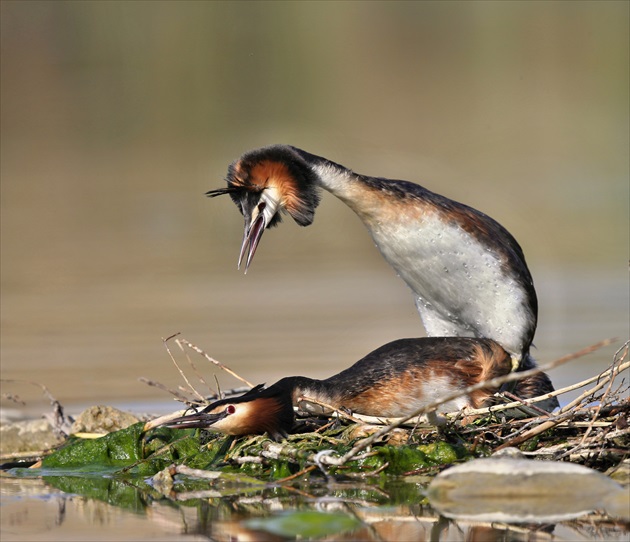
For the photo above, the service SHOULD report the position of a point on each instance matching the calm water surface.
(262, 332)
(264, 326)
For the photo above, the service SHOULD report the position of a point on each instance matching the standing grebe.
(468, 274)
(394, 380)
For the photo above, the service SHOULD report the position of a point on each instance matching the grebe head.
(265, 182)
(260, 410)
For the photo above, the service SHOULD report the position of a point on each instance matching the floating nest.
(592, 430)
(383, 471)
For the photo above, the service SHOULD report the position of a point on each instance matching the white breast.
(459, 285)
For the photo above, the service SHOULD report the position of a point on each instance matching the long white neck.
(333, 177)
(350, 188)
(465, 270)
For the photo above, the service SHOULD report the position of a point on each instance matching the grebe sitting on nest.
(394, 380)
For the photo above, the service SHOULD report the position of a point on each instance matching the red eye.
(230, 409)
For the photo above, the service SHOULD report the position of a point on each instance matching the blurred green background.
(118, 116)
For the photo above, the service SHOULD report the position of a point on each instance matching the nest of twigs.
(592, 429)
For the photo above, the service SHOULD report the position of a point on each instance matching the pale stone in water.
(518, 490)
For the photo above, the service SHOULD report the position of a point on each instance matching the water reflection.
(33, 509)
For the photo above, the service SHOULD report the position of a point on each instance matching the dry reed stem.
(507, 406)
(31, 454)
(183, 375)
(567, 411)
(214, 361)
(14, 398)
(296, 475)
(340, 413)
(194, 368)
(197, 473)
(616, 362)
(59, 422)
(162, 387)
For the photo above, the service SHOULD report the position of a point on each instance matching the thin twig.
(158, 385)
(247, 459)
(219, 392)
(367, 474)
(14, 398)
(564, 413)
(616, 361)
(212, 360)
(508, 406)
(60, 424)
(31, 454)
(198, 473)
(197, 374)
(296, 475)
(340, 413)
(603, 380)
(524, 402)
(183, 375)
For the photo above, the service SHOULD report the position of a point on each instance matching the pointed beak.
(200, 420)
(253, 233)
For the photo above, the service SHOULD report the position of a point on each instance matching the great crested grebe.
(394, 380)
(468, 274)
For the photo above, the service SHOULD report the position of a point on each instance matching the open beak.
(200, 420)
(253, 233)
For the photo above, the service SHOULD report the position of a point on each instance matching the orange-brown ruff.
(394, 380)
(466, 271)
